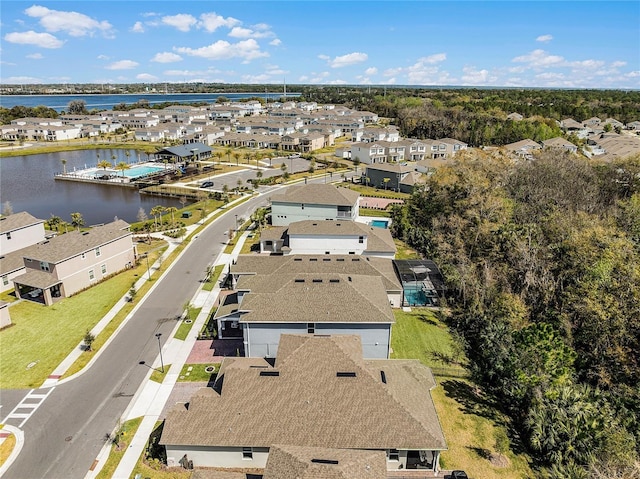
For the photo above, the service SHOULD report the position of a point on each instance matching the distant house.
(329, 238)
(514, 116)
(523, 148)
(571, 126)
(561, 143)
(314, 202)
(66, 264)
(390, 176)
(633, 125)
(319, 393)
(17, 231)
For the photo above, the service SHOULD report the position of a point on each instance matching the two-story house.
(66, 264)
(314, 202)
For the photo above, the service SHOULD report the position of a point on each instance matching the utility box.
(186, 214)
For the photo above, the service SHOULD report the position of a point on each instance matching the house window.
(9, 235)
(98, 251)
(247, 453)
(92, 275)
(44, 266)
(83, 255)
(394, 455)
(103, 268)
(5, 280)
(361, 239)
(311, 328)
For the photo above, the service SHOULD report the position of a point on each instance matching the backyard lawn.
(42, 336)
(469, 420)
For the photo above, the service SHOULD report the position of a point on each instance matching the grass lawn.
(158, 376)
(469, 420)
(252, 243)
(6, 447)
(372, 212)
(375, 192)
(197, 372)
(403, 251)
(127, 431)
(213, 279)
(185, 327)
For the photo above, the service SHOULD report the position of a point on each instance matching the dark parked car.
(206, 184)
(459, 475)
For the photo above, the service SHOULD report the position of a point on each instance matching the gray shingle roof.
(11, 262)
(317, 194)
(71, 244)
(307, 404)
(16, 221)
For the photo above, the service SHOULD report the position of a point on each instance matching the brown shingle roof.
(295, 462)
(317, 194)
(338, 264)
(314, 297)
(11, 262)
(16, 221)
(71, 244)
(308, 404)
(378, 239)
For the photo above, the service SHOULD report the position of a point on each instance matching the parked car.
(459, 475)
(206, 184)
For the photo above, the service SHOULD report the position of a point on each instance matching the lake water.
(27, 182)
(106, 102)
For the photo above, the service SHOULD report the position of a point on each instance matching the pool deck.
(88, 175)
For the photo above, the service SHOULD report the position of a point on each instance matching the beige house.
(69, 263)
(318, 393)
(5, 317)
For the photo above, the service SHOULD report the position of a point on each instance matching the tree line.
(542, 264)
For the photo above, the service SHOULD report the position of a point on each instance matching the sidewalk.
(150, 399)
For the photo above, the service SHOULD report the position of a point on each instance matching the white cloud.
(587, 64)
(182, 21)
(539, 59)
(276, 42)
(473, 76)
(21, 79)
(166, 57)
(122, 65)
(261, 78)
(426, 72)
(74, 23)
(223, 50)
(337, 82)
(241, 32)
(102, 57)
(550, 76)
(146, 77)
(618, 64)
(371, 71)
(433, 59)
(137, 28)
(345, 60)
(42, 40)
(35, 56)
(390, 81)
(276, 70)
(544, 38)
(212, 21)
(633, 74)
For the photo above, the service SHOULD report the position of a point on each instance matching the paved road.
(67, 431)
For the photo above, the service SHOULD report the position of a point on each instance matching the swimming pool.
(380, 223)
(137, 171)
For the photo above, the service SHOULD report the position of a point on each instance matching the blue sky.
(577, 44)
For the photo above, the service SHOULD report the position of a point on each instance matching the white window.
(44, 266)
(5, 280)
(92, 275)
(9, 235)
(103, 268)
(311, 328)
(394, 455)
(247, 453)
(98, 251)
(83, 256)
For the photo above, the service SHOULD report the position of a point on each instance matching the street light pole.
(148, 270)
(160, 348)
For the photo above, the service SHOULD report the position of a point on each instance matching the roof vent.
(339, 259)
(314, 224)
(270, 373)
(355, 259)
(313, 259)
(298, 280)
(324, 461)
(85, 233)
(383, 376)
(326, 259)
(334, 281)
(297, 259)
(317, 280)
(345, 374)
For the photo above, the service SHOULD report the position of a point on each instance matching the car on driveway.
(206, 184)
(459, 475)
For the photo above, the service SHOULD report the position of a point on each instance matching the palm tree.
(127, 154)
(236, 155)
(54, 222)
(64, 165)
(218, 154)
(77, 220)
(155, 212)
(122, 166)
(356, 163)
(114, 158)
(228, 152)
(172, 210)
(104, 164)
(247, 157)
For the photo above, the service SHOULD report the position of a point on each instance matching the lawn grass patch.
(403, 251)
(8, 296)
(375, 192)
(373, 212)
(470, 422)
(158, 376)
(198, 372)
(42, 336)
(213, 278)
(252, 243)
(119, 445)
(6, 447)
(151, 463)
(184, 328)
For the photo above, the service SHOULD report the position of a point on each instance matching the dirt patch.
(498, 460)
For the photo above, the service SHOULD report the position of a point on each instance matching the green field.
(469, 420)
